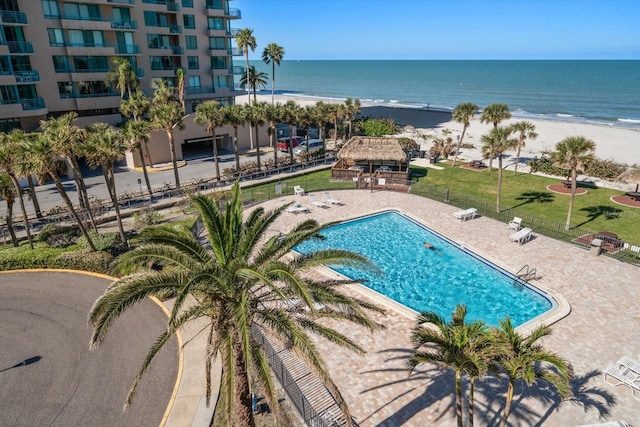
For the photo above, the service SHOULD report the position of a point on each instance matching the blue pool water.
(430, 279)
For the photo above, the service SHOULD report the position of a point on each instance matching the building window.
(60, 64)
(65, 89)
(91, 64)
(214, 4)
(218, 62)
(191, 42)
(215, 23)
(193, 63)
(85, 12)
(221, 81)
(153, 19)
(189, 21)
(194, 81)
(217, 43)
(157, 41)
(187, 3)
(56, 37)
(50, 9)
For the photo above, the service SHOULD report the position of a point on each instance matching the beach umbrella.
(631, 175)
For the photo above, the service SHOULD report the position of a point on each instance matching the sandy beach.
(612, 143)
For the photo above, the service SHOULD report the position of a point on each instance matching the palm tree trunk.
(215, 153)
(146, 147)
(272, 143)
(12, 231)
(574, 176)
(34, 197)
(246, 57)
(472, 383)
(273, 80)
(144, 170)
(459, 398)
(242, 414)
(291, 144)
(25, 218)
(464, 129)
(82, 189)
(499, 183)
(258, 148)
(515, 169)
(174, 162)
(111, 186)
(67, 201)
(235, 149)
(507, 406)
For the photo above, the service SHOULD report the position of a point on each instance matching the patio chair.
(629, 363)
(331, 200)
(297, 208)
(298, 190)
(521, 235)
(465, 214)
(318, 203)
(515, 223)
(623, 376)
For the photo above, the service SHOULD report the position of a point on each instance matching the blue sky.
(445, 29)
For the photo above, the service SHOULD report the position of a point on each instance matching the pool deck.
(598, 321)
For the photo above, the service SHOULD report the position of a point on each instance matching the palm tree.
(306, 119)
(573, 153)
(256, 80)
(9, 159)
(21, 165)
(43, 161)
(104, 146)
(463, 113)
(352, 109)
(123, 76)
(245, 42)
(496, 142)
(450, 345)
(211, 114)
(256, 114)
(524, 359)
(136, 105)
(66, 140)
(8, 193)
(235, 115)
(137, 134)
(322, 116)
(494, 113)
(335, 113)
(290, 114)
(239, 285)
(525, 130)
(273, 114)
(273, 54)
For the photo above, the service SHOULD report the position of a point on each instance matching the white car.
(314, 145)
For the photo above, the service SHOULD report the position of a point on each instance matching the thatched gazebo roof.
(361, 148)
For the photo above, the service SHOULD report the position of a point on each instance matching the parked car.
(314, 145)
(284, 144)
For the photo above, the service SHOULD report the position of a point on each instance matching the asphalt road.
(48, 375)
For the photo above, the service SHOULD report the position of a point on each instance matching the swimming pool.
(434, 279)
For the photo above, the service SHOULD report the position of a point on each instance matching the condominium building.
(55, 54)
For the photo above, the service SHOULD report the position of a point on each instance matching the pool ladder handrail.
(527, 273)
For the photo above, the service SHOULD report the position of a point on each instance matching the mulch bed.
(561, 189)
(626, 201)
(471, 168)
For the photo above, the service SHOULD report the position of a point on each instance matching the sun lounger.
(297, 208)
(298, 190)
(465, 214)
(629, 363)
(623, 376)
(521, 235)
(331, 200)
(318, 203)
(515, 223)
(608, 424)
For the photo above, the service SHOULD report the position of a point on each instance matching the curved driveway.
(43, 321)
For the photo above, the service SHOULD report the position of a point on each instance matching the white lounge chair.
(297, 208)
(318, 203)
(298, 190)
(521, 235)
(515, 223)
(465, 214)
(629, 363)
(623, 376)
(608, 424)
(331, 200)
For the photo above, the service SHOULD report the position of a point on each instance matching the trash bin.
(422, 153)
(596, 247)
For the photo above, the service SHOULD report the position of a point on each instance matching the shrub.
(59, 236)
(23, 257)
(374, 127)
(547, 167)
(98, 262)
(105, 242)
(605, 169)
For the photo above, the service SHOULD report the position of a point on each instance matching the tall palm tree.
(335, 112)
(257, 115)
(496, 142)
(463, 113)
(104, 146)
(525, 359)
(43, 161)
(246, 41)
(8, 193)
(273, 114)
(494, 113)
(450, 345)
(211, 114)
(235, 115)
(136, 105)
(66, 140)
(352, 109)
(256, 80)
(123, 76)
(238, 285)
(273, 54)
(137, 133)
(9, 159)
(525, 130)
(573, 153)
(290, 114)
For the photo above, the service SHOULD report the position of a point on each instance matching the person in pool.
(430, 247)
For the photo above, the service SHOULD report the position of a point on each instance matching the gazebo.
(369, 156)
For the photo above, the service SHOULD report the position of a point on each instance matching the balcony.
(157, 67)
(171, 6)
(128, 49)
(176, 50)
(234, 51)
(20, 47)
(201, 90)
(175, 29)
(131, 2)
(27, 76)
(13, 17)
(32, 104)
(237, 70)
(124, 24)
(235, 13)
(233, 32)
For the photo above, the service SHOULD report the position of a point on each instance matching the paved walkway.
(603, 325)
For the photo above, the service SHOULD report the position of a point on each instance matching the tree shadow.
(594, 212)
(24, 362)
(534, 197)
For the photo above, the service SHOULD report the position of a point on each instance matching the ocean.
(602, 92)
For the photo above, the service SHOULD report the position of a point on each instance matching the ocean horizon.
(604, 92)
